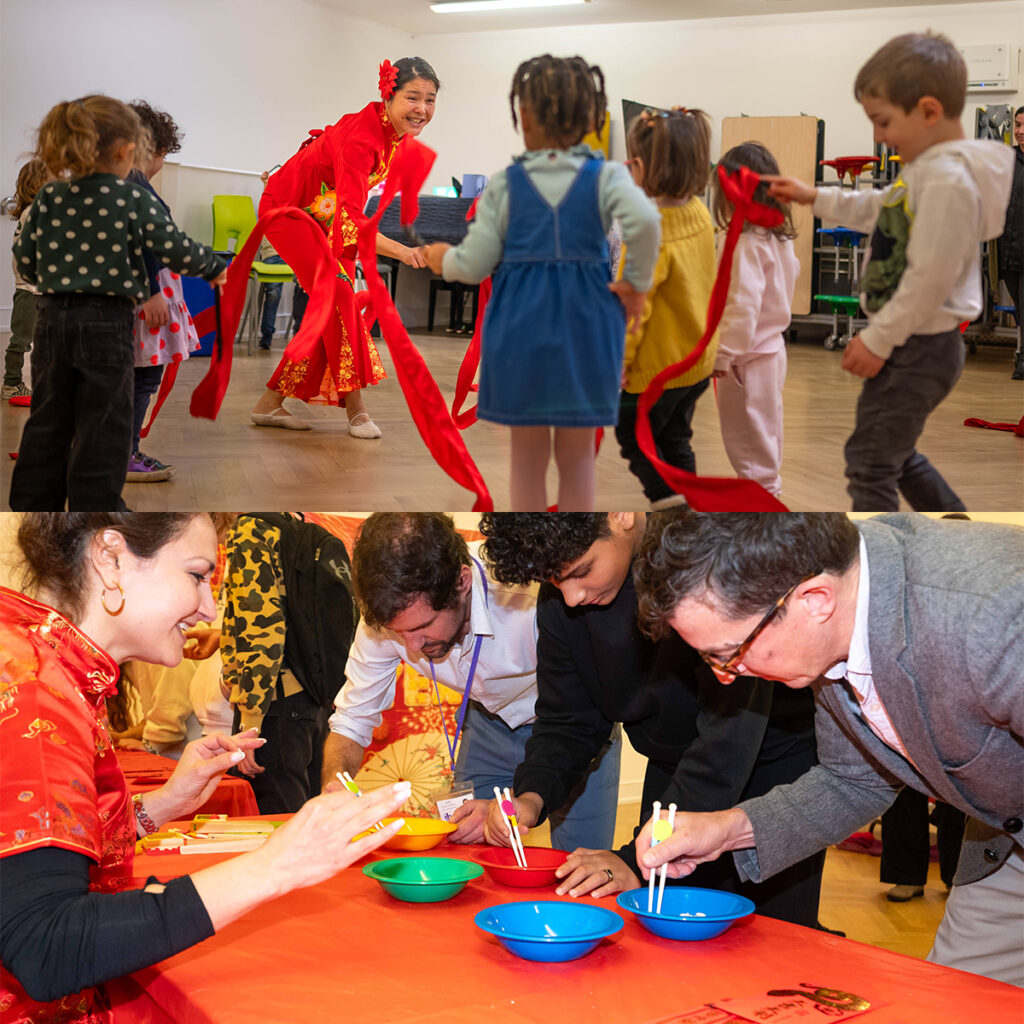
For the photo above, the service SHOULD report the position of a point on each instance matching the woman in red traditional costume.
(329, 177)
(109, 587)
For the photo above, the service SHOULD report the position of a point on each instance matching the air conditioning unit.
(993, 68)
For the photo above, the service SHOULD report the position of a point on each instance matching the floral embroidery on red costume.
(60, 783)
(330, 177)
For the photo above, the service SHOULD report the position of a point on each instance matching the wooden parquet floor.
(230, 464)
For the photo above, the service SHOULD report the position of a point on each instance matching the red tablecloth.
(145, 772)
(345, 951)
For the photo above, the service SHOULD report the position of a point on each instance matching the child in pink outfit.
(750, 367)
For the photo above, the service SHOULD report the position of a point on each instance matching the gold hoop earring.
(103, 600)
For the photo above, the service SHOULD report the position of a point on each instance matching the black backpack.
(321, 614)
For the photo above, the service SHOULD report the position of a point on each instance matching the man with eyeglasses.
(910, 632)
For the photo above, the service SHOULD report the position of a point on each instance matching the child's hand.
(790, 190)
(221, 279)
(434, 255)
(414, 257)
(632, 300)
(858, 359)
(155, 309)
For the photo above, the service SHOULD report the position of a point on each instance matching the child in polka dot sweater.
(82, 247)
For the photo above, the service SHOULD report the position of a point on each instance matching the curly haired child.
(554, 330)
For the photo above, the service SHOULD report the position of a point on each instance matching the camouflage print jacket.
(252, 640)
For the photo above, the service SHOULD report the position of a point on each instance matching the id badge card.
(448, 799)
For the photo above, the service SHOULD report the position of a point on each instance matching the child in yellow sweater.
(669, 158)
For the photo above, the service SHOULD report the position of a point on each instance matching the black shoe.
(1018, 368)
(265, 343)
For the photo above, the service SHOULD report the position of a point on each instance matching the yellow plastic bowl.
(419, 834)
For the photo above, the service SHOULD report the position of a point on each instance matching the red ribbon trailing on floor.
(702, 493)
(1015, 428)
(209, 394)
(408, 171)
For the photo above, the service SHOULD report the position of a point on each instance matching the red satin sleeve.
(355, 158)
(60, 784)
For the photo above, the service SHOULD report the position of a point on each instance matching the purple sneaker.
(145, 470)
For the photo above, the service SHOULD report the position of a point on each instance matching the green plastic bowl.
(423, 879)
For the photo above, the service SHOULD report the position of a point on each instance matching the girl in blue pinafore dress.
(554, 330)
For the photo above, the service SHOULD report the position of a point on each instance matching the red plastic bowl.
(500, 864)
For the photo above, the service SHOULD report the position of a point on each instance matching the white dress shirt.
(857, 667)
(506, 674)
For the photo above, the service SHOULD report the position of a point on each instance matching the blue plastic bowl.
(679, 909)
(548, 931)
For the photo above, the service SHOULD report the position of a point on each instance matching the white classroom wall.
(252, 76)
(780, 64)
(245, 80)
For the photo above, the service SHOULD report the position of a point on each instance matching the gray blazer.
(946, 635)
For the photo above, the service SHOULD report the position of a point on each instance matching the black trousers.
(906, 843)
(295, 729)
(75, 447)
(791, 895)
(671, 425)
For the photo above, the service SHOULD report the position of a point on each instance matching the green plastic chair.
(234, 217)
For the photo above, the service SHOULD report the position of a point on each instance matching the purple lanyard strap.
(460, 718)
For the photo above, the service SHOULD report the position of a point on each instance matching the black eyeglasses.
(728, 667)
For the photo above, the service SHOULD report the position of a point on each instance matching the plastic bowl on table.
(500, 864)
(548, 931)
(686, 912)
(422, 879)
(419, 833)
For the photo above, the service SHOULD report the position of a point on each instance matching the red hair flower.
(388, 78)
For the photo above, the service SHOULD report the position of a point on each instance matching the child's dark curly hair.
(522, 547)
(565, 95)
(164, 134)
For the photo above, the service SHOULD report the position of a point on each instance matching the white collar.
(858, 661)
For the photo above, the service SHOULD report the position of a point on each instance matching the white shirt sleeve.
(369, 690)
(852, 208)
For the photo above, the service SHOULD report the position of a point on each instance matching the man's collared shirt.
(506, 674)
(857, 667)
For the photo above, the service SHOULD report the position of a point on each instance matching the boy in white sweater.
(922, 278)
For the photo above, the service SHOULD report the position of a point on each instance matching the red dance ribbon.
(326, 288)
(713, 494)
(170, 375)
(471, 360)
(1015, 428)
(407, 173)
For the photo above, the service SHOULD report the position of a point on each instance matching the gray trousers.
(882, 460)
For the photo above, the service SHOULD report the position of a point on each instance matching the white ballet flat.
(362, 426)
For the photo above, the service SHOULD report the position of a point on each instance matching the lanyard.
(460, 718)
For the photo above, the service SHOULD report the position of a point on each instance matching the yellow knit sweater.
(676, 309)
